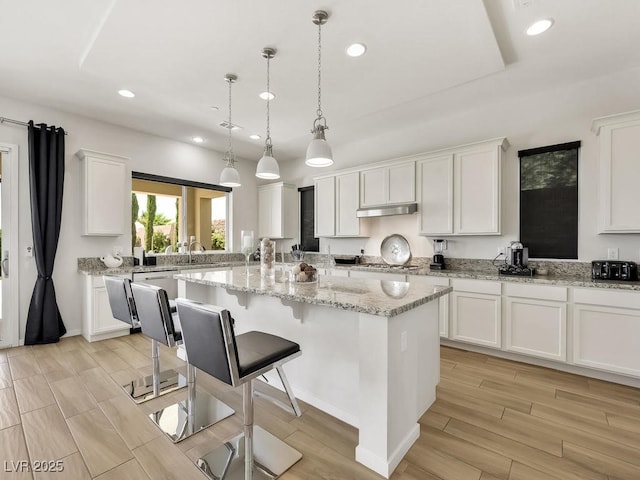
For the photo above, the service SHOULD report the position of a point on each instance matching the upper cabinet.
(388, 185)
(619, 139)
(277, 210)
(336, 202)
(459, 189)
(106, 189)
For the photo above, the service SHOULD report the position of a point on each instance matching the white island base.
(377, 373)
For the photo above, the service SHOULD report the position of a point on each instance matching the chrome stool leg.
(159, 383)
(196, 412)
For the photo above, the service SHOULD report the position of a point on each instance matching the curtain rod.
(18, 122)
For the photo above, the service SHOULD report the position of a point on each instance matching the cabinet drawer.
(606, 297)
(539, 292)
(476, 286)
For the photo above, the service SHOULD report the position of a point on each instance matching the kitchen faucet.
(191, 244)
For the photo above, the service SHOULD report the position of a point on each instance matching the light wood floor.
(493, 419)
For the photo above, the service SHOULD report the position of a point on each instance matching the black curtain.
(46, 179)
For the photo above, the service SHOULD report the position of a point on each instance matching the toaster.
(614, 270)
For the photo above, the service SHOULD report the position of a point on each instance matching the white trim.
(386, 466)
(11, 310)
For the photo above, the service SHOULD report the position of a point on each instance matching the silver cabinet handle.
(5, 267)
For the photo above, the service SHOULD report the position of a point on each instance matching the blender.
(439, 246)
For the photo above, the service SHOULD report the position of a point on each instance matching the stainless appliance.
(163, 279)
(517, 261)
(614, 270)
(439, 246)
(401, 209)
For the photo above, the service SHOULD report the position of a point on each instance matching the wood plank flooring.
(493, 419)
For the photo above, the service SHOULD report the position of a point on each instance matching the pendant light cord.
(319, 111)
(268, 139)
(229, 155)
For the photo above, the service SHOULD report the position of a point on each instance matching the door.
(9, 306)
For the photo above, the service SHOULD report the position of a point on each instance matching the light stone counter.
(385, 298)
(370, 348)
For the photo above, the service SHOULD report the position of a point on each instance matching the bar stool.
(196, 411)
(213, 347)
(123, 308)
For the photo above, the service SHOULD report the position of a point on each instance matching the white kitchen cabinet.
(476, 312)
(619, 140)
(336, 203)
(325, 207)
(435, 193)
(277, 210)
(97, 321)
(443, 304)
(459, 189)
(606, 330)
(388, 185)
(535, 319)
(106, 193)
(372, 275)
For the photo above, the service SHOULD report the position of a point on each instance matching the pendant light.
(319, 152)
(268, 166)
(230, 176)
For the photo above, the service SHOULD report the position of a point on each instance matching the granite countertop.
(385, 298)
(566, 279)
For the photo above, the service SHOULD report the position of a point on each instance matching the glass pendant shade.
(230, 177)
(268, 168)
(319, 151)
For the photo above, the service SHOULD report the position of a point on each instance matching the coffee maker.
(439, 246)
(516, 261)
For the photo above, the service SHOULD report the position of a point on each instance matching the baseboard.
(385, 467)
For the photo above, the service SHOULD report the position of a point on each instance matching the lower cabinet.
(536, 327)
(605, 337)
(476, 312)
(535, 318)
(97, 321)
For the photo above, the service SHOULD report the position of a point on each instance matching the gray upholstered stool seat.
(198, 410)
(123, 308)
(213, 347)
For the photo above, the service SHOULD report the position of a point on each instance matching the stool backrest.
(209, 340)
(154, 313)
(123, 307)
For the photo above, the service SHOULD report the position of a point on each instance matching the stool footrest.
(272, 457)
(141, 389)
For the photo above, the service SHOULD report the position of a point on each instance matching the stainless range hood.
(401, 209)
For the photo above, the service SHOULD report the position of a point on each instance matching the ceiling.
(423, 57)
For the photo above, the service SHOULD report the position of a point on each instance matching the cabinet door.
(476, 318)
(373, 187)
(536, 327)
(607, 338)
(477, 191)
(325, 207)
(435, 195)
(402, 183)
(106, 192)
(266, 213)
(347, 202)
(619, 177)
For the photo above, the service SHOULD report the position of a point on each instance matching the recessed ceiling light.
(265, 95)
(198, 139)
(540, 26)
(255, 137)
(356, 49)
(214, 108)
(126, 93)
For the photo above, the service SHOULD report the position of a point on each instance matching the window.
(549, 201)
(167, 212)
(307, 240)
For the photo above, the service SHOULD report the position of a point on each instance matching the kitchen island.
(370, 348)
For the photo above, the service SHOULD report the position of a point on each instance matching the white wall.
(535, 120)
(147, 153)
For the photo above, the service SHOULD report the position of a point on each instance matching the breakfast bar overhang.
(370, 348)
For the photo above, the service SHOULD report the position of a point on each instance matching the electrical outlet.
(612, 253)
(117, 250)
(403, 341)
(29, 252)
(501, 251)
